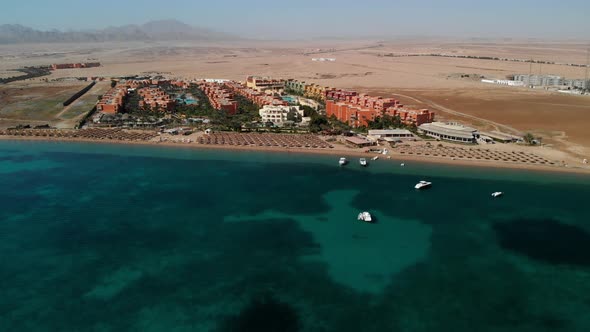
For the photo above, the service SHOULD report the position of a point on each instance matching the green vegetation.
(45, 106)
(386, 122)
(294, 116)
(317, 122)
(29, 72)
(131, 105)
(307, 110)
(390, 122)
(85, 118)
(529, 139)
(293, 92)
(78, 94)
(247, 109)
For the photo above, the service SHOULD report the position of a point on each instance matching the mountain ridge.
(150, 31)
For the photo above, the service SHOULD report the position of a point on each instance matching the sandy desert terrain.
(422, 81)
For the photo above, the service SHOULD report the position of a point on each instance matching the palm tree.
(529, 139)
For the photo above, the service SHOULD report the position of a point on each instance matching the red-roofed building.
(359, 110)
(155, 99)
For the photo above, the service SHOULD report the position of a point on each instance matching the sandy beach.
(338, 151)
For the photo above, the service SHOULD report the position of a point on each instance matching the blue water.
(134, 238)
(187, 101)
(290, 99)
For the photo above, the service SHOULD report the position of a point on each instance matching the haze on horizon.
(303, 19)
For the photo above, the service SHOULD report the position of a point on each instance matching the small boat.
(363, 162)
(375, 158)
(342, 161)
(497, 194)
(423, 185)
(365, 216)
(402, 164)
(385, 151)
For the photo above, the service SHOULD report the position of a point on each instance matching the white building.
(278, 114)
(391, 133)
(450, 132)
(540, 80)
(503, 82)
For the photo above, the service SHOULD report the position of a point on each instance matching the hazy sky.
(318, 18)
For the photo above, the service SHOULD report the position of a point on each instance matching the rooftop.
(450, 129)
(389, 132)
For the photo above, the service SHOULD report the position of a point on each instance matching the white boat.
(385, 151)
(375, 158)
(402, 164)
(497, 194)
(423, 184)
(365, 216)
(363, 162)
(342, 161)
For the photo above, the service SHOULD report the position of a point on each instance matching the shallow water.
(135, 238)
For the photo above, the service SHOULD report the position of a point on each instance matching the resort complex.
(266, 112)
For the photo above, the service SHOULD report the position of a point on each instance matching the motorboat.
(375, 158)
(363, 162)
(365, 216)
(423, 185)
(342, 161)
(497, 194)
(402, 164)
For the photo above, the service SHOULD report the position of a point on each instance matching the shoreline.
(327, 152)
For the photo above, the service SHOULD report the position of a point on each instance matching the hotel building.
(220, 96)
(277, 114)
(264, 83)
(112, 101)
(258, 98)
(359, 110)
(297, 87)
(155, 98)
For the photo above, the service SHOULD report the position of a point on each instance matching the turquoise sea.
(99, 237)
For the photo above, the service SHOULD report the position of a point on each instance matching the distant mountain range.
(151, 31)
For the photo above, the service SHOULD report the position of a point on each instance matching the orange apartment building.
(359, 110)
(340, 95)
(112, 101)
(155, 98)
(219, 96)
(416, 117)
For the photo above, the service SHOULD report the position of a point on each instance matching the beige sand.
(341, 150)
